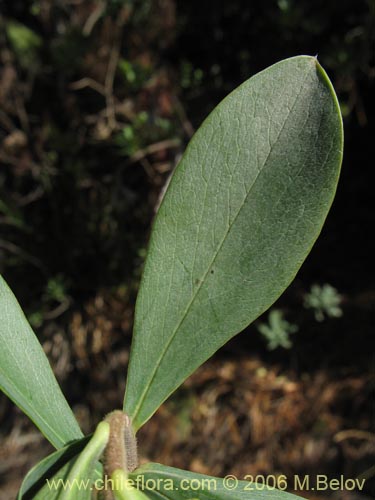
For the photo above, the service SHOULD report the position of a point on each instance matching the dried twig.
(353, 434)
(58, 311)
(112, 66)
(31, 197)
(153, 148)
(185, 122)
(16, 250)
(90, 83)
(93, 18)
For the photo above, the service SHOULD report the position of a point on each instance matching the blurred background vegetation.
(98, 99)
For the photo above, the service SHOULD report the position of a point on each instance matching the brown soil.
(240, 413)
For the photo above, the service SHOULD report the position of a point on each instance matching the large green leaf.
(243, 209)
(26, 376)
(167, 483)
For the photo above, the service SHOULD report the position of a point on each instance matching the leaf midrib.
(202, 280)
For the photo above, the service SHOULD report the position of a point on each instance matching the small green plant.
(242, 211)
(25, 43)
(325, 301)
(278, 330)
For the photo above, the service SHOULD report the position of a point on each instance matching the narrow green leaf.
(36, 478)
(26, 376)
(167, 483)
(243, 209)
(71, 473)
(53, 486)
(60, 484)
(81, 476)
